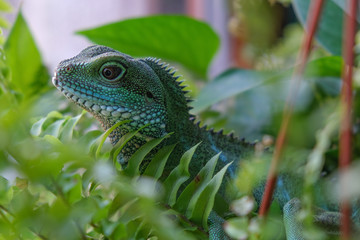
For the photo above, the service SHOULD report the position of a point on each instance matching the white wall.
(54, 22)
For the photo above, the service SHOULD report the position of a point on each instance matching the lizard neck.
(189, 133)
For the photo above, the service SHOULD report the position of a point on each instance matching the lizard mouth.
(91, 103)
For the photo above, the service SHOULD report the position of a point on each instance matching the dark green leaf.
(178, 176)
(188, 197)
(205, 202)
(330, 28)
(135, 160)
(28, 74)
(157, 164)
(177, 38)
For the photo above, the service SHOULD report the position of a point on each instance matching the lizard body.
(114, 87)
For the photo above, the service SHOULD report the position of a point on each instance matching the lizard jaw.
(83, 100)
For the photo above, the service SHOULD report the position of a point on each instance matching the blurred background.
(246, 28)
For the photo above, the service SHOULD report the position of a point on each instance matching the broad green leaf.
(324, 67)
(239, 81)
(28, 74)
(54, 128)
(191, 193)
(135, 160)
(157, 164)
(205, 202)
(53, 140)
(344, 6)
(178, 176)
(330, 27)
(228, 84)
(67, 131)
(37, 127)
(176, 38)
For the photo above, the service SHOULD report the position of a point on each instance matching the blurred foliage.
(255, 30)
(58, 177)
(330, 25)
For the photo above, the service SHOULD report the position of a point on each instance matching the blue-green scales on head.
(115, 87)
(111, 86)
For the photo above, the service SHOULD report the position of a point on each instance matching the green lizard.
(113, 87)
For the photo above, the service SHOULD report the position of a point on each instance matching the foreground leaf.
(28, 74)
(205, 203)
(178, 176)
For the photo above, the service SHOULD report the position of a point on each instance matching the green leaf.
(177, 38)
(67, 131)
(106, 134)
(191, 193)
(157, 164)
(135, 160)
(54, 128)
(28, 74)
(74, 194)
(122, 142)
(330, 28)
(37, 127)
(90, 140)
(5, 6)
(205, 202)
(178, 176)
(6, 192)
(227, 84)
(239, 81)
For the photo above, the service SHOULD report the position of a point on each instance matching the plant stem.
(346, 120)
(311, 25)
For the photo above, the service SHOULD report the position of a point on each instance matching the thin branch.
(311, 25)
(346, 121)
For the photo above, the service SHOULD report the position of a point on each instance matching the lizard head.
(114, 87)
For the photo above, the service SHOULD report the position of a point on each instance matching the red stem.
(346, 120)
(311, 25)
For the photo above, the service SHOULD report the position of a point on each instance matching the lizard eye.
(112, 71)
(149, 97)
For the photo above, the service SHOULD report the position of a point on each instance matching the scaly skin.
(115, 87)
(144, 91)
